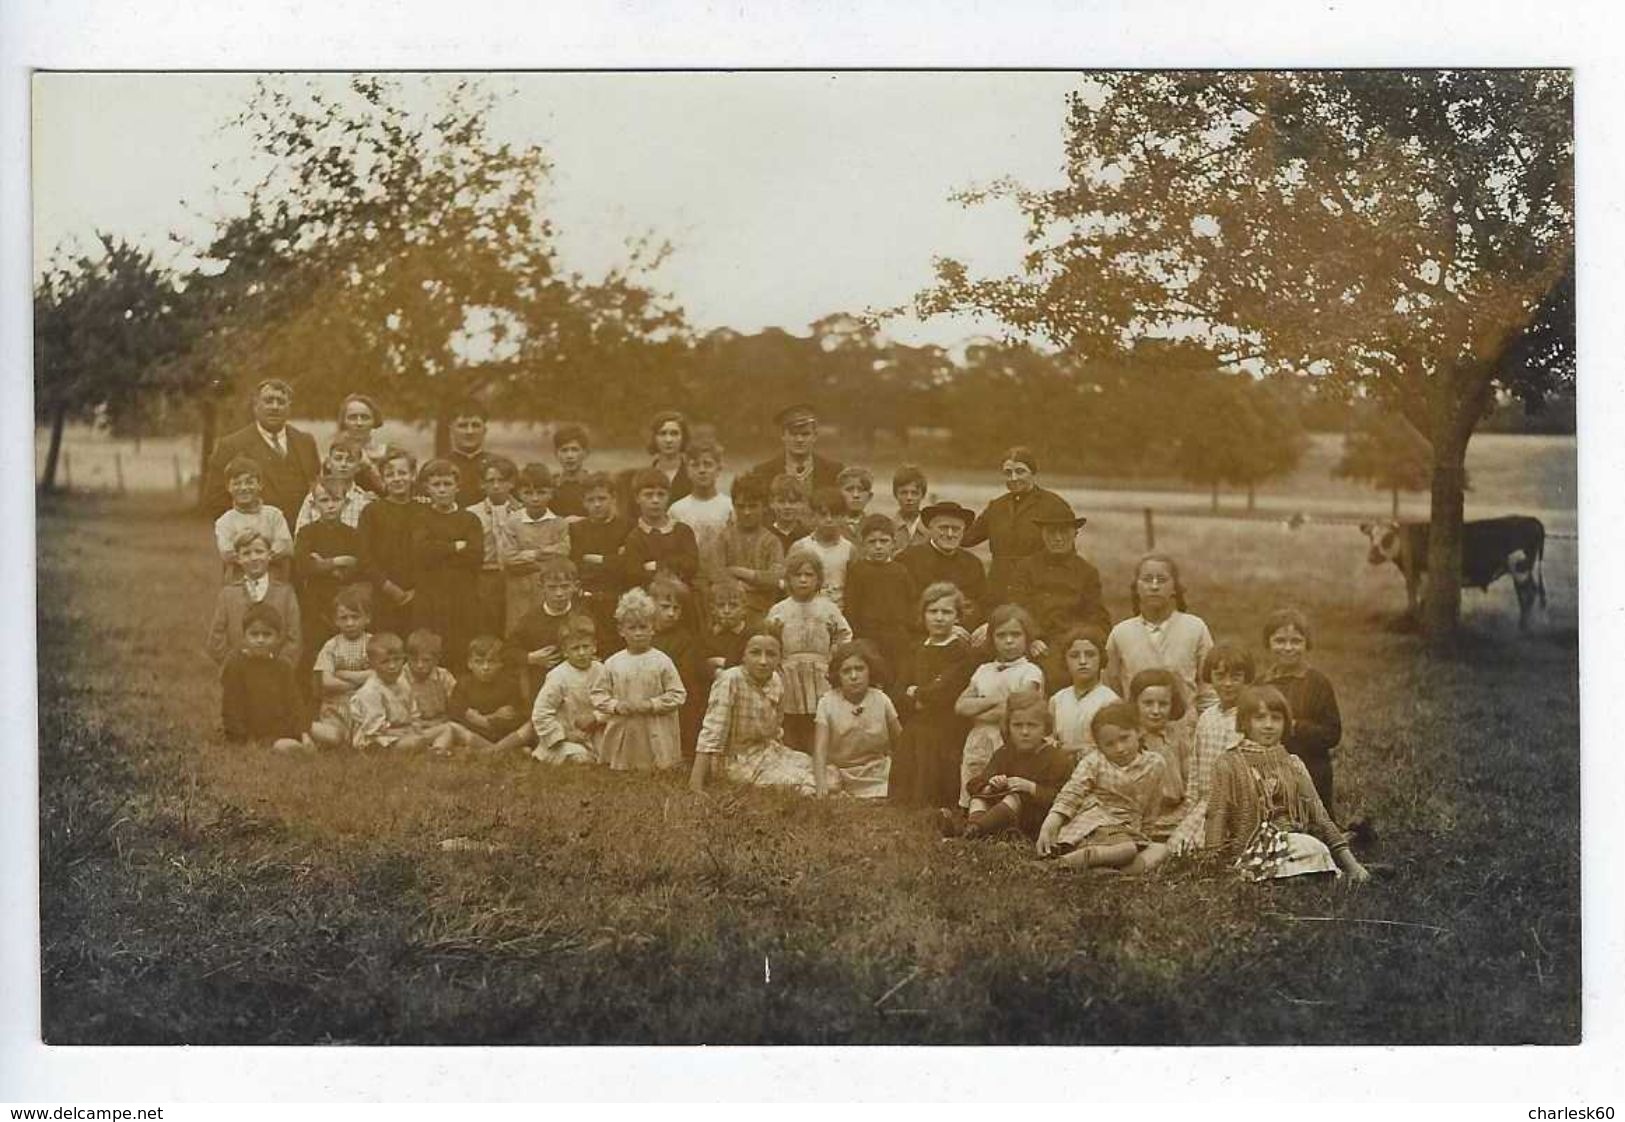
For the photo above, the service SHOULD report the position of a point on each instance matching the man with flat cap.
(1009, 524)
(941, 559)
(798, 428)
(1059, 589)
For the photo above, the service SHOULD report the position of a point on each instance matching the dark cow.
(1490, 548)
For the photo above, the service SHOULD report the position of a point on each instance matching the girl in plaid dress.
(809, 627)
(741, 737)
(1097, 819)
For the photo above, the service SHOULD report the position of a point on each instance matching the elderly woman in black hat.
(1059, 589)
(798, 429)
(1009, 525)
(942, 559)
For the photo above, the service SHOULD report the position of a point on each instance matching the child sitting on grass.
(829, 542)
(566, 727)
(1317, 724)
(486, 702)
(345, 457)
(856, 727)
(809, 626)
(1262, 805)
(741, 737)
(1016, 788)
(1097, 817)
(571, 447)
(1227, 671)
(253, 553)
(639, 694)
(432, 683)
(752, 553)
(249, 512)
(342, 666)
(1073, 707)
(529, 534)
(260, 704)
(994, 683)
(1156, 695)
(383, 713)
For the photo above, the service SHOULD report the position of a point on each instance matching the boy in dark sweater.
(881, 600)
(486, 701)
(595, 544)
(260, 702)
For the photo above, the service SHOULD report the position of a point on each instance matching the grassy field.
(193, 894)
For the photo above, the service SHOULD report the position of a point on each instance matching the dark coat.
(1009, 528)
(825, 472)
(286, 479)
(1060, 591)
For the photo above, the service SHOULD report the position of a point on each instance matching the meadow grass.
(190, 893)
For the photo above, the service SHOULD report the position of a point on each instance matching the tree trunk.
(1252, 498)
(1395, 492)
(1441, 606)
(211, 421)
(1215, 498)
(59, 420)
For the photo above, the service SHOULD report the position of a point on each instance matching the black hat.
(798, 414)
(947, 509)
(1074, 521)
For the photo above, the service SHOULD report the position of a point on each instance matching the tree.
(1393, 230)
(1385, 450)
(103, 328)
(408, 255)
(1236, 431)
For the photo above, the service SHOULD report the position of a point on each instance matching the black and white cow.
(1490, 548)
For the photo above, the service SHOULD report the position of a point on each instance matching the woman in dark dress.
(925, 765)
(668, 441)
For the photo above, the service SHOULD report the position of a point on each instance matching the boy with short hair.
(563, 721)
(595, 546)
(533, 643)
(908, 487)
(751, 553)
(732, 624)
(257, 586)
(571, 446)
(486, 702)
(857, 485)
(326, 558)
(497, 478)
(788, 497)
(707, 512)
(657, 542)
(447, 549)
(882, 601)
(345, 457)
(249, 512)
(533, 531)
(383, 712)
(260, 703)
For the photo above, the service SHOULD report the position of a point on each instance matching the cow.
(1490, 548)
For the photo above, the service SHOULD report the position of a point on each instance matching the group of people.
(780, 633)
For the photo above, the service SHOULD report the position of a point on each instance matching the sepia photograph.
(807, 557)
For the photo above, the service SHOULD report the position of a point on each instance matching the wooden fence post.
(1150, 530)
(118, 470)
(180, 483)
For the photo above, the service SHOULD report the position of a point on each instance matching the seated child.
(566, 726)
(1073, 707)
(829, 541)
(1227, 670)
(260, 704)
(432, 683)
(326, 560)
(571, 446)
(1016, 788)
(639, 694)
(1157, 696)
(857, 487)
(345, 457)
(658, 542)
(497, 477)
(530, 534)
(342, 666)
(908, 487)
(257, 586)
(1096, 819)
(1262, 805)
(487, 703)
(383, 713)
(791, 518)
(741, 737)
(248, 512)
(533, 644)
(880, 595)
(752, 553)
(925, 767)
(856, 726)
(1317, 725)
(595, 546)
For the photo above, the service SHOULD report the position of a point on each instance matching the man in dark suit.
(288, 459)
(798, 428)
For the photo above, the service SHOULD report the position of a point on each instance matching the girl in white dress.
(809, 627)
(1011, 630)
(638, 694)
(856, 727)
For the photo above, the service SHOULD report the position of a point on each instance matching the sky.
(785, 196)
